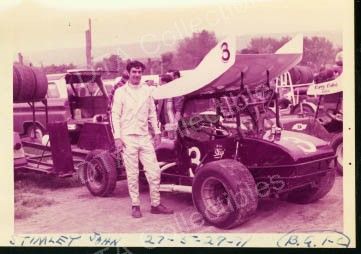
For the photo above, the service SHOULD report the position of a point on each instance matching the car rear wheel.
(314, 192)
(35, 133)
(100, 173)
(337, 144)
(225, 193)
(306, 110)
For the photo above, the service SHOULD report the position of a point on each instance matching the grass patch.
(30, 188)
(26, 203)
(30, 181)
(36, 202)
(22, 213)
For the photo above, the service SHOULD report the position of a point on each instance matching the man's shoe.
(160, 209)
(136, 212)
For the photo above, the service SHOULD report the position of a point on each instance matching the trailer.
(67, 142)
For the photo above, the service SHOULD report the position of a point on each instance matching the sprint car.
(226, 154)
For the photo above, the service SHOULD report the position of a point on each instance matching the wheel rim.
(95, 177)
(38, 134)
(216, 197)
(339, 153)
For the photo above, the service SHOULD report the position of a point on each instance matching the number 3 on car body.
(195, 156)
(225, 52)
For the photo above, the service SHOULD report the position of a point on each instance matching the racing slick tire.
(100, 173)
(314, 192)
(307, 110)
(225, 193)
(337, 145)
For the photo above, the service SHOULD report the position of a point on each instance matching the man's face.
(135, 75)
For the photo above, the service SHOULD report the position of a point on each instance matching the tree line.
(318, 51)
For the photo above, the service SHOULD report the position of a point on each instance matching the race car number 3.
(225, 52)
(195, 156)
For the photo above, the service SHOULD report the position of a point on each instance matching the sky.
(47, 24)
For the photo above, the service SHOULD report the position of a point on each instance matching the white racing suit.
(132, 111)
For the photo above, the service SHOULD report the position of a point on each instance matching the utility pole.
(88, 46)
(21, 58)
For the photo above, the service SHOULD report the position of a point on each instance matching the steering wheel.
(335, 115)
(212, 130)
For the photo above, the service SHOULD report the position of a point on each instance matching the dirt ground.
(66, 207)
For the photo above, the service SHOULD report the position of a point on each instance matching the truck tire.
(311, 194)
(225, 193)
(100, 173)
(337, 145)
(42, 84)
(16, 83)
(27, 83)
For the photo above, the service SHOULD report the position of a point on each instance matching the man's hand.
(157, 140)
(119, 144)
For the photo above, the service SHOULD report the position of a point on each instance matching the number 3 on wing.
(305, 146)
(225, 52)
(195, 156)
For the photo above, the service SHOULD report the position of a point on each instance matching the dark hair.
(166, 78)
(176, 73)
(135, 64)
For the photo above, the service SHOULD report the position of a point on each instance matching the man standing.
(123, 80)
(133, 109)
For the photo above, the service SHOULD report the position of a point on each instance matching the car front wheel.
(99, 173)
(337, 145)
(225, 193)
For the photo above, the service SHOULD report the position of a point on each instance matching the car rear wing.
(222, 69)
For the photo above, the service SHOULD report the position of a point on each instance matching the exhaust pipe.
(172, 187)
(164, 165)
(175, 188)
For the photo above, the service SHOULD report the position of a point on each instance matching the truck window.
(53, 91)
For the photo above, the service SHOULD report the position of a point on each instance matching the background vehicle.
(292, 88)
(327, 123)
(69, 95)
(68, 136)
(30, 118)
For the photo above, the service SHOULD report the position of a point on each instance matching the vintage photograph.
(184, 118)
